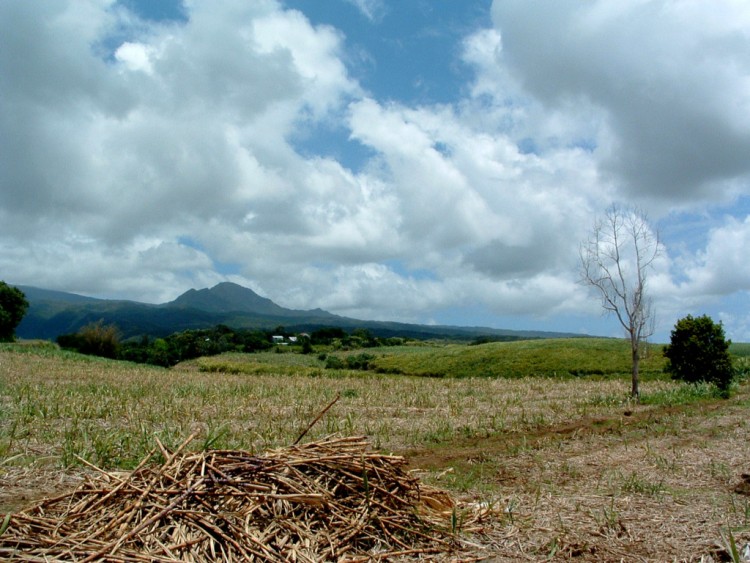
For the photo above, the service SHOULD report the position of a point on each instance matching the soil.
(649, 484)
(446, 455)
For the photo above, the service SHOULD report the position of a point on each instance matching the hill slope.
(52, 313)
(224, 298)
(529, 358)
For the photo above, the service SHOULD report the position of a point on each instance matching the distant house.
(292, 339)
(277, 339)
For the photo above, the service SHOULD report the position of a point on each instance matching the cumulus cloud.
(461, 190)
(670, 79)
(722, 267)
(181, 128)
(140, 158)
(135, 56)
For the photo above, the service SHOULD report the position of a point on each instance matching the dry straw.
(331, 500)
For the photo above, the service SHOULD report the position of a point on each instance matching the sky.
(424, 161)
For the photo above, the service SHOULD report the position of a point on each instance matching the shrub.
(355, 362)
(13, 306)
(98, 339)
(333, 362)
(360, 361)
(159, 353)
(698, 351)
(327, 335)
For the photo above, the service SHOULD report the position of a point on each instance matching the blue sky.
(409, 51)
(423, 161)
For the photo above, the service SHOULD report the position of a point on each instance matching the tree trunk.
(635, 391)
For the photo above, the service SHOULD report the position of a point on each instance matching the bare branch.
(615, 260)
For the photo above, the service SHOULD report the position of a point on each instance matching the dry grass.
(649, 490)
(56, 407)
(576, 471)
(328, 500)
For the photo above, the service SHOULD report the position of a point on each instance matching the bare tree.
(615, 259)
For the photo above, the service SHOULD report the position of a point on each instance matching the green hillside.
(549, 357)
(52, 313)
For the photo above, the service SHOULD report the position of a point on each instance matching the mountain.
(52, 313)
(228, 297)
(34, 294)
(224, 298)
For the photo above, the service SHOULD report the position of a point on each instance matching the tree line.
(698, 350)
(99, 339)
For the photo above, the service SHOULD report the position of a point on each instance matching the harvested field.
(331, 500)
(651, 486)
(569, 468)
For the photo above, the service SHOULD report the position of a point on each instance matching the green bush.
(698, 351)
(13, 306)
(334, 362)
(94, 339)
(357, 362)
(159, 353)
(360, 361)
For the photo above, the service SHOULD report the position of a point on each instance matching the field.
(543, 431)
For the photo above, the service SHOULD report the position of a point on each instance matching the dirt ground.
(664, 484)
(650, 484)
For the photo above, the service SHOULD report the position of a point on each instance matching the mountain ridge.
(52, 313)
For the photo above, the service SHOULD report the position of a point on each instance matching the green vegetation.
(739, 349)
(94, 339)
(106, 411)
(544, 431)
(699, 352)
(65, 405)
(285, 362)
(682, 395)
(560, 358)
(13, 306)
(529, 358)
(98, 339)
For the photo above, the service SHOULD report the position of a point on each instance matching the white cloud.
(736, 324)
(113, 153)
(722, 267)
(314, 53)
(130, 138)
(135, 56)
(373, 10)
(199, 149)
(671, 79)
(146, 269)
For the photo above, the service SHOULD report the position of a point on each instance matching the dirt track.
(652, 484)
(647, 484)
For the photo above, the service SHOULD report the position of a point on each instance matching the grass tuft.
(682, 394)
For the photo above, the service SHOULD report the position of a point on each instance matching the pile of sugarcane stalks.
(332, 500)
